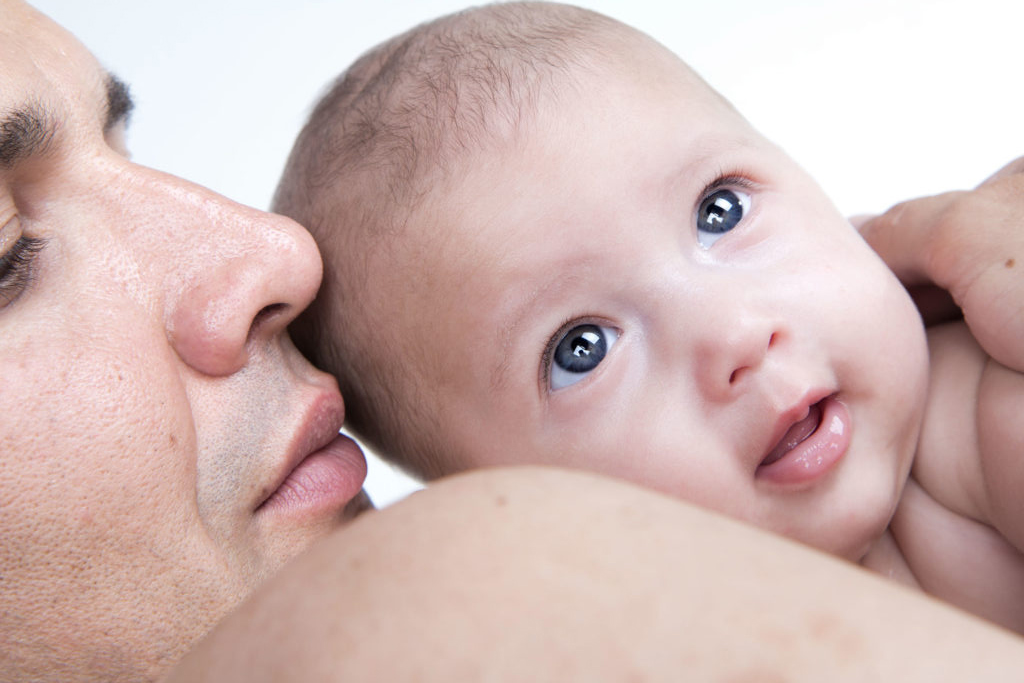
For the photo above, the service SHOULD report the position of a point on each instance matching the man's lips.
(810, 445)
(330, 477)
(323, 470)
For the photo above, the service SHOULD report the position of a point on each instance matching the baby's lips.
(795, 435)
(814, 454)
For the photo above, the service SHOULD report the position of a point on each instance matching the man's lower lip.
(325, 481)
(816, 455)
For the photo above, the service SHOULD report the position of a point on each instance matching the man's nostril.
(264, 316)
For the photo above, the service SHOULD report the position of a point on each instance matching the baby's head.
(547, 240)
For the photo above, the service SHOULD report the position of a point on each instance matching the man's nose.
(242, 277)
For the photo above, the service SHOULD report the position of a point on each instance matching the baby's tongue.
(795, 435)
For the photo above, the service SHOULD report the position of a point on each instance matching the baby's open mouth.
(810, 447)
(795, 435)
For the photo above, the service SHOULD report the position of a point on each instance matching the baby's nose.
(732, 348)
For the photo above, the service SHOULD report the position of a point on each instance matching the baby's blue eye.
(720, 212)
(578, 352)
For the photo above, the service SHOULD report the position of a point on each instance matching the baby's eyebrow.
(517, 311)
(25, 132)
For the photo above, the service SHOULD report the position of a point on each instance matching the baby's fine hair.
(391, 128)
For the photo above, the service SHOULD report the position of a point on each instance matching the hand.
(970, 244)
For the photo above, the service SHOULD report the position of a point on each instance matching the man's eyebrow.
(25, 132)
(28, 130)
(119, 103)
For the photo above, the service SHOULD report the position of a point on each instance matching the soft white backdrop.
(880, 100)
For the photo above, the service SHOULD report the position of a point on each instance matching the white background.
(881, 100)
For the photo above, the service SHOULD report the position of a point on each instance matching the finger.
(948, 238)
(858, 220)
(970, 244)
(909, 236)
(993, 306)
(1015, 167)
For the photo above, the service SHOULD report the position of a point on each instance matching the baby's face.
(647, 288)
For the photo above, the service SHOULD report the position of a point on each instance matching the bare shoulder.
(534, 574)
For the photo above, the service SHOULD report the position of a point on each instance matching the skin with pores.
(153, 402)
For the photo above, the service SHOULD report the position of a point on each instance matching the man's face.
(643, 286)
(164, 447)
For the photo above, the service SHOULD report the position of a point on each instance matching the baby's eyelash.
(727, 180)
(551, 344)
(17, 267)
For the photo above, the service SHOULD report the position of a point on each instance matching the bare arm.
(544, 575)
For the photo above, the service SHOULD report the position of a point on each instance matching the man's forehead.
(45, 70)
(8, 8)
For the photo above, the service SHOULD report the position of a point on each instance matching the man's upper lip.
(790, 417)
(317, 427)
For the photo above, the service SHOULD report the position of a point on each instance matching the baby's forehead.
(631, 71)
(654, 69)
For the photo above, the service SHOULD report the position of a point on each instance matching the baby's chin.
(856, 550)
(855, 538)
(849, 544)
(854, 518)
